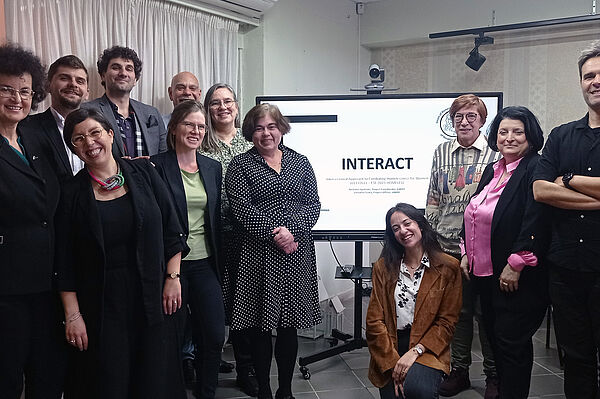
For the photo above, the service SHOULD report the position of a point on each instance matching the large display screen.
(369, 153)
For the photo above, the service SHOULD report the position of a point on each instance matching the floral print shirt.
(406, 292)
(224, 155)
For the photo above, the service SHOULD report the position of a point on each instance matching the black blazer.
(518, 223)
(47, 133)
(28, 200)
(210, 170)
(80, 243)
(151, 124)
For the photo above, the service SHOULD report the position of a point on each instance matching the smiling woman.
(274, 200)
(194, 182)
(413, 309)
(118, 258)
(30, 339)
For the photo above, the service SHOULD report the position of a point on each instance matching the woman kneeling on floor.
(414, 306)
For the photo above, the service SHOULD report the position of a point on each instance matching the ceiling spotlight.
(476, 60)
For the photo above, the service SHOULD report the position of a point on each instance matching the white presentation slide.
(369, 153)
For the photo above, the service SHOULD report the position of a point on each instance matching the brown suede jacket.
(436, 313)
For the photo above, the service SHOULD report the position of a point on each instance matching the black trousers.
(202, 291)
(576, 306)
(32, 343)
(511, 320)
(286, 351)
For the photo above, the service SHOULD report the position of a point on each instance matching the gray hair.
(591, 52)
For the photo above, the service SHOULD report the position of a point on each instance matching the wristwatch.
(566, 179)
(418, 350)
(173, 275)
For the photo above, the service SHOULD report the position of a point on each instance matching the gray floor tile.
(335, 380)
(361, 393)
(546, 385)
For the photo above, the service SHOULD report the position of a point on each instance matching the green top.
(196, 199)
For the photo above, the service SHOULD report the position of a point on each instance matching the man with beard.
(138, 127)
(68, 87)
(184, 86)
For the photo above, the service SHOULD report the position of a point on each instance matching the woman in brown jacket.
(414, 306)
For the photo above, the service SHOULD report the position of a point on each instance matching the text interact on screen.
(369, 152)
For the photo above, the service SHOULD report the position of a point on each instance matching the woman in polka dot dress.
(273, 196)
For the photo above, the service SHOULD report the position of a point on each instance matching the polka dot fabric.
(274, 289)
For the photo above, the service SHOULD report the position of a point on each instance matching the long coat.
(274, 289)
(29, 197)
(436, 313)
(210, 171)
(81, 265)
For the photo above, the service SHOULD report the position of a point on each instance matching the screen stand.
(350, 342)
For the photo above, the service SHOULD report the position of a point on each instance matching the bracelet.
(72, 318)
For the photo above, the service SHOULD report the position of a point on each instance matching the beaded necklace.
(114, 182)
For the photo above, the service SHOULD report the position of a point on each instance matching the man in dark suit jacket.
(138, 127)
(68, 87)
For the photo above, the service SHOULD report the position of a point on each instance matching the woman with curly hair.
(30, 337)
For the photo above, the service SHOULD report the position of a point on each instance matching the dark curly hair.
(533, 130)
(393, 252)
(15, 61)
(119, 52)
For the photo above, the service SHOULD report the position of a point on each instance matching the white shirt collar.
(479, 143)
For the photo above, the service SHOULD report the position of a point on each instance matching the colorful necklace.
(114, 182)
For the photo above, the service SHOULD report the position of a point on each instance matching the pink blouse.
(478, 226)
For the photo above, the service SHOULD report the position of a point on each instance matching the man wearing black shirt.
(568, 179)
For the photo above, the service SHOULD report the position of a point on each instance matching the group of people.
(121, 229)
(124, 232)
(521, 229)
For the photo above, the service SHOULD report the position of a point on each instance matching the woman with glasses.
(222, 142)
(31, 343)
(273, 195)
(119, 249)
(195, 185)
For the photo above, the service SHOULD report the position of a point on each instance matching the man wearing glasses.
(455, 173)
(139, 129)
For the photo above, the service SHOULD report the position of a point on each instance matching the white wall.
(394, 22)
(307, 47)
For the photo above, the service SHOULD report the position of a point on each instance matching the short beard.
(68, 104)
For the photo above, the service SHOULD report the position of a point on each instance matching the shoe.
(247, 383)
(456, 382)
(491, 388)
(226, 367)
(189, 373)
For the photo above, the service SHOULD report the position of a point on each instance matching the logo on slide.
(445, 124)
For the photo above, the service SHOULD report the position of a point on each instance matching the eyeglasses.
(471, 117)
(227, 103)
(8, 92)
(270, 127)
(81, 138)
(192, 126)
